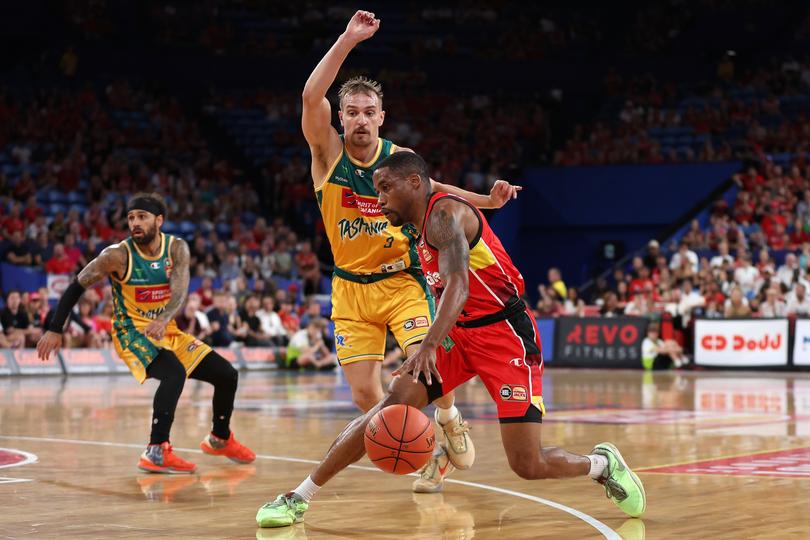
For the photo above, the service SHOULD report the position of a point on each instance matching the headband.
(145, 204)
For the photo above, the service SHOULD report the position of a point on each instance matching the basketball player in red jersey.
(482, 327)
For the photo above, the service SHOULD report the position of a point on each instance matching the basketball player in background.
(377, 284)
(482, 328)
(149, 272)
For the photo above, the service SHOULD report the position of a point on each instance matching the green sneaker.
(286, 510)
(622, 485)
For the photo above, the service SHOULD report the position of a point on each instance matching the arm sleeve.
(65, 306)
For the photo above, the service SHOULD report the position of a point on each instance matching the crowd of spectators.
(738, 115)
(752, 259)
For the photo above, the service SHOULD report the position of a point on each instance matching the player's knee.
(528, 465)
(365, 397)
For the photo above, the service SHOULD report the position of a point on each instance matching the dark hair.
(405, 163)
(150, 202)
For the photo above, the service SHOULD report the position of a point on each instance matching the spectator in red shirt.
(13, 222)
(32, 210)
(642, 282)
(778, 240)
(73, 251)
(799, 235)
(308, 268)
(206, 292)
(60, 263)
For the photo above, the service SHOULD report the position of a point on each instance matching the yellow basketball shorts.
(137, 351)
(363, 312)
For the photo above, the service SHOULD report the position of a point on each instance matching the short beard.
(146, 239)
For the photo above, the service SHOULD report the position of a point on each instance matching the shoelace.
(613, 489)
(462, 428)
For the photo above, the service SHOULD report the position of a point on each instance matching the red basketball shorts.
(506, 355)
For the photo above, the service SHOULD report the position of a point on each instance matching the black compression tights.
(213, 369)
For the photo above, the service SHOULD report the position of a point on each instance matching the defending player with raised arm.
(482, 328)
(149, 272)
(377, 284)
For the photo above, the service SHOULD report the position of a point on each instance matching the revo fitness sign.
(741, 343)
(599, 341)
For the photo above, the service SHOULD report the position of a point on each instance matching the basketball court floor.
(722, 455)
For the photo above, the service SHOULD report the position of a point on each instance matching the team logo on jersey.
(427, 256)
(168, 265)
(368, 206)
(513, 393)
(352, 229)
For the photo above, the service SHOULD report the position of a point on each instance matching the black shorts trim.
(533, 414)
(434, 391)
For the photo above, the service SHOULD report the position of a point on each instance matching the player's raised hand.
(362, 26)
(422, 361)
(501, 192)
(48, 343)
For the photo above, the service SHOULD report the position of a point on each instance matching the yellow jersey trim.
(128, 272)
(371, 161)
(329, 174)
(160, 251)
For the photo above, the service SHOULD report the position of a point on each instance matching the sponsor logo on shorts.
(514, 392)
(416, 322)
(193, 346)
(340, 339)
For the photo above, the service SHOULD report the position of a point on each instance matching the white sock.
(445, 415)
(598, 465)
(307, 489)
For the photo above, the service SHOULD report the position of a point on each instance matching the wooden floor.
(87, 432)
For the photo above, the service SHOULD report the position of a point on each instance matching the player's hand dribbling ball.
(399, 439)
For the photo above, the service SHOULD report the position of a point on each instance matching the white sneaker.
(459, 445)
(431, 477)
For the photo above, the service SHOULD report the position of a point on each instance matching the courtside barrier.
(105, 361)
(741, 342)
(599, 341)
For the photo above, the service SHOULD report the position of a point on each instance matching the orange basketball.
(399, 439)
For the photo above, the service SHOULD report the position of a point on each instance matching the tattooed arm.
(450, 227)
(111, 261)
(178, 283)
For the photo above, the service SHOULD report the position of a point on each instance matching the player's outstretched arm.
(316, 120)
(178, 284)
(446, 229)
(501, 192)
(112, 260)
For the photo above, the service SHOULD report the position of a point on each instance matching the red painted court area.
(793, 463)
(10, 457)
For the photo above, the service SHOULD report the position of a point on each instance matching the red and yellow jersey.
(363, 241)
(494, 281)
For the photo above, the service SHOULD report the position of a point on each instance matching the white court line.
(603, 529)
